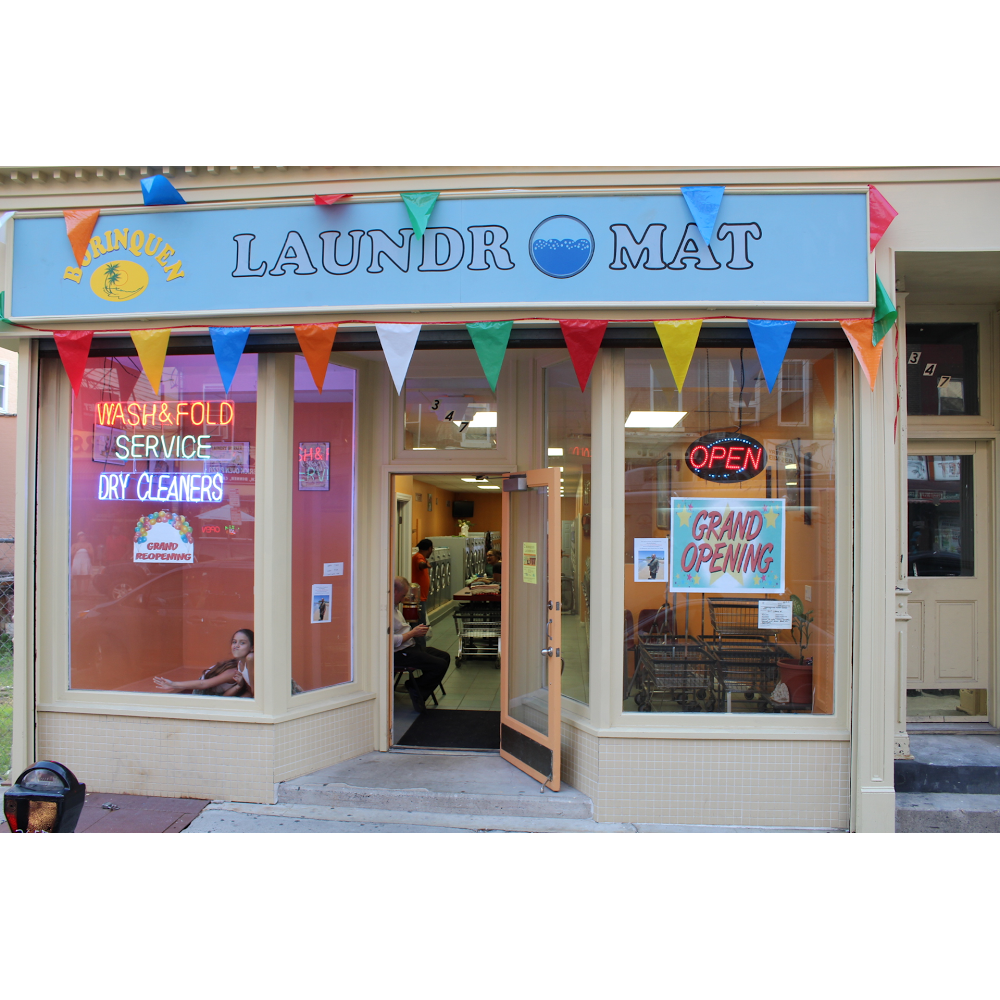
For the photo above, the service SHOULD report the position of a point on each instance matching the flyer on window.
(650, 557)
(322, 598)
(733, 545)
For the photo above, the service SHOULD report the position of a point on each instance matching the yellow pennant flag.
(152, 348)
(679, 337)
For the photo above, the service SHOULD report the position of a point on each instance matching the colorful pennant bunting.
(859, 333)
(3, 311)
(151, 346)
(880, 214)
(80, 224)
(419, 205)
(329, 199)
(316, 342)
(74, 349)
(228, 343)
(127, 378)
(678, 338)
(157, 190)
(771, 338)
(398, 342)
(583, 340)
(703, 203)
(885, 312)
(490, 341)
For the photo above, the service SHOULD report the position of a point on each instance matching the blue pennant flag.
(228, 343)
(770, 338)
(703, 203)
(157, 190)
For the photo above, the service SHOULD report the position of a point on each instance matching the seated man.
(493, 565)
(433, 663)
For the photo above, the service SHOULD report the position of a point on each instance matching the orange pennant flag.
(80, 224)
(316, 341)
(151, 346)
(859, 333)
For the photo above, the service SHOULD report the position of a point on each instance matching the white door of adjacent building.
(950, 564)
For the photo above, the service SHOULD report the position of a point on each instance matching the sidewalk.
(134, 814)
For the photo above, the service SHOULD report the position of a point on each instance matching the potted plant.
(463, 528)
(797, 674)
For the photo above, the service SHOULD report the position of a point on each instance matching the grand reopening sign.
(780, 248)
(729, 545)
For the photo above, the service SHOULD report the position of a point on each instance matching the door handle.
(547, 651)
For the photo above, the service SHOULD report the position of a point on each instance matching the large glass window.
(942, 369)
(729, 534)
(567, 413)
(940, 518)
(162, 527)
(323, 528)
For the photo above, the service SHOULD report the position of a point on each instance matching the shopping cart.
(478, 628)
(678, 668)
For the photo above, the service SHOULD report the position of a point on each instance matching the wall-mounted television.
(462, 508)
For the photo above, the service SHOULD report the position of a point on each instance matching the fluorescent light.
(655, 418)
(557, 452)
(425, 449)
(790, 483)
(484, 418)
(469, 479)
(489, 487)
(792, 466)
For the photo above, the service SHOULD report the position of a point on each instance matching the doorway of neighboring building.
(950, 565)
(461, 601)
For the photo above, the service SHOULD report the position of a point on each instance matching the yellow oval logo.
(119, 280)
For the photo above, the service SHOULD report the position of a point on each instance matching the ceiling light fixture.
(655, 418)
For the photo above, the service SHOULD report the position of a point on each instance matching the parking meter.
(46, 798)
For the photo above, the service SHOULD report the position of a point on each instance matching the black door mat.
(454, 729)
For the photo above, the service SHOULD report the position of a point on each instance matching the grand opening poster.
(727, 545)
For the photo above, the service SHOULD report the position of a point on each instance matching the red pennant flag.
(583, 339)
(880, 214)
(316, 342)
(859, 333)
(329, 199)
(80, 224)
(74, 349)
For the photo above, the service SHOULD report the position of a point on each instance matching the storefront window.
(729, 534)
(567, 412)
(162, 527)
(447, 413)
(942, 369)
(323, 528)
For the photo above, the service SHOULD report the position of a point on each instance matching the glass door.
(531, 636)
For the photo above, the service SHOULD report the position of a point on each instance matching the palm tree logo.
(119, 281)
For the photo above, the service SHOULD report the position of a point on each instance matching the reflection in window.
(942, 369)
(940, 515)
(162, 522)
(323, 528)
(447, 413)
(693, 638)
(567, 412)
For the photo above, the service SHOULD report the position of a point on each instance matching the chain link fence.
(6, 652)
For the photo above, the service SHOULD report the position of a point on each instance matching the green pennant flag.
(490, 342)
(419, 205)
(3, 318)
(885, 313)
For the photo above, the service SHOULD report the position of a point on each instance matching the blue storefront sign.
(514, 251)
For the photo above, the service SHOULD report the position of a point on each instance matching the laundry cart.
(478, 628)
(676, 668)
(745, 657)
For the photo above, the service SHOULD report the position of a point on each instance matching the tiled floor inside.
(475, 685)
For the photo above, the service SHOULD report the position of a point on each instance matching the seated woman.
(493, 567)
(227, 678)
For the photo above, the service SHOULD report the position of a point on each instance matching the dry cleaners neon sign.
(193, 487)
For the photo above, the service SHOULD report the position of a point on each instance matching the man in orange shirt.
(420, 573)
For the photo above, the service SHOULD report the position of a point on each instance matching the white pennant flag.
(398, 341)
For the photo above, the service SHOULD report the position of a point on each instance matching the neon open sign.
(726, 457)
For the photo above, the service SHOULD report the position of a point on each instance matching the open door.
(531, 631)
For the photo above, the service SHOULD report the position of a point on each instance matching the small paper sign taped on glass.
(727, 545)
(322, 598)
(774, 614)
(529, 562)
(650, 560)
(314, 465)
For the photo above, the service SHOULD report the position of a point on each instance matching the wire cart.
(746, 658)
(678, 667)
(478, 628)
